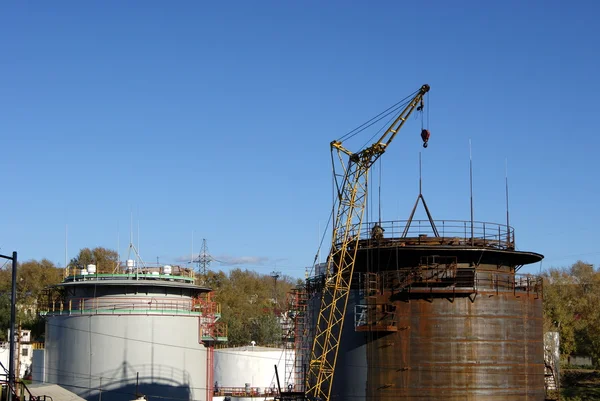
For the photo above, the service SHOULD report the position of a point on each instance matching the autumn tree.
(571, 299)
(106, 260)
(251, 304)
(33, 278)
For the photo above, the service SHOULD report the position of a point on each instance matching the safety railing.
(461, 279)
(375, 317)
(18, 388)
(212, 331)
(133, 306)
(245, 391)
(143, 274)
(442, 232)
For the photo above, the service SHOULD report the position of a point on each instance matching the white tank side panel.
(235, 368)
(89, 353)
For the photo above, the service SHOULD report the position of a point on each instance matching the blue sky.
(214, 118)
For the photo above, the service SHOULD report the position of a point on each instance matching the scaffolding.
(297, 339)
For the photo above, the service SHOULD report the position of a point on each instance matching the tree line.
(572, 308)
(252, 303)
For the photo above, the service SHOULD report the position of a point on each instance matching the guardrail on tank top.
(441, 232)
(134, 306)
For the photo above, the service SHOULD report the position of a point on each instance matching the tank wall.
(484, 347)
(104, 353)
(234, 367)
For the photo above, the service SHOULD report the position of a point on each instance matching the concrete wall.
(4, 354)
(579, 360)
(38, 371)
(90, 354)
(23, 354)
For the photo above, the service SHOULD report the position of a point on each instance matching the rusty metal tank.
(439, 312)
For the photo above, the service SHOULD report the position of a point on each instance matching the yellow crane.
(352, 196)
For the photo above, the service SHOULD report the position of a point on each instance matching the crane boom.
(352, 196)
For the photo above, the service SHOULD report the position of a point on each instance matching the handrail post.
(484, 238)
(499, 236)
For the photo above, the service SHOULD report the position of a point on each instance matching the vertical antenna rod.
(507, 216)
(138, 233)
(66, 246)
(131, 227)
(118, 249)
(471, 187)
(192, 255)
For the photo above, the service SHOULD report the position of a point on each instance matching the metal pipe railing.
(485, 234)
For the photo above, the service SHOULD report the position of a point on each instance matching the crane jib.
(352, 193)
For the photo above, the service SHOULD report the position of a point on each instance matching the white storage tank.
(249, 366)
(107, 334)
(91, 269)
(167, 269)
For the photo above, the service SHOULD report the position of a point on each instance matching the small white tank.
(130, 263)
(167, 269)
(91, 269)
(154, 273)
(84, 272)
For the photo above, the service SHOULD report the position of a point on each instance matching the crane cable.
(350, 134)
(378, 117)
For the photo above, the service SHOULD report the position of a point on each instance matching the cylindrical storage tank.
(249, 367)
(167, 269)
(433, 321)
(109, 333)
(130, 264)
(91, 269)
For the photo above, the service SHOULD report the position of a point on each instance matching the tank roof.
(407, 242)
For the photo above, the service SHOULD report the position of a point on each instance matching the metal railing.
(141, 275)
(245, 391)
(449, 232)
(119, 270)
(133, 306)
(20, 390)
(462, 278)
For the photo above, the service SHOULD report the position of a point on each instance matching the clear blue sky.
(216, 117)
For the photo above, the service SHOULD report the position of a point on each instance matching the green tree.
(251, 304)
(106, 260)
(571, 299)
(33, 279)
(4, 315)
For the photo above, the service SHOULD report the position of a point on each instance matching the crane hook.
(425, 137)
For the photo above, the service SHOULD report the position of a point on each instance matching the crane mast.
(352, 197)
